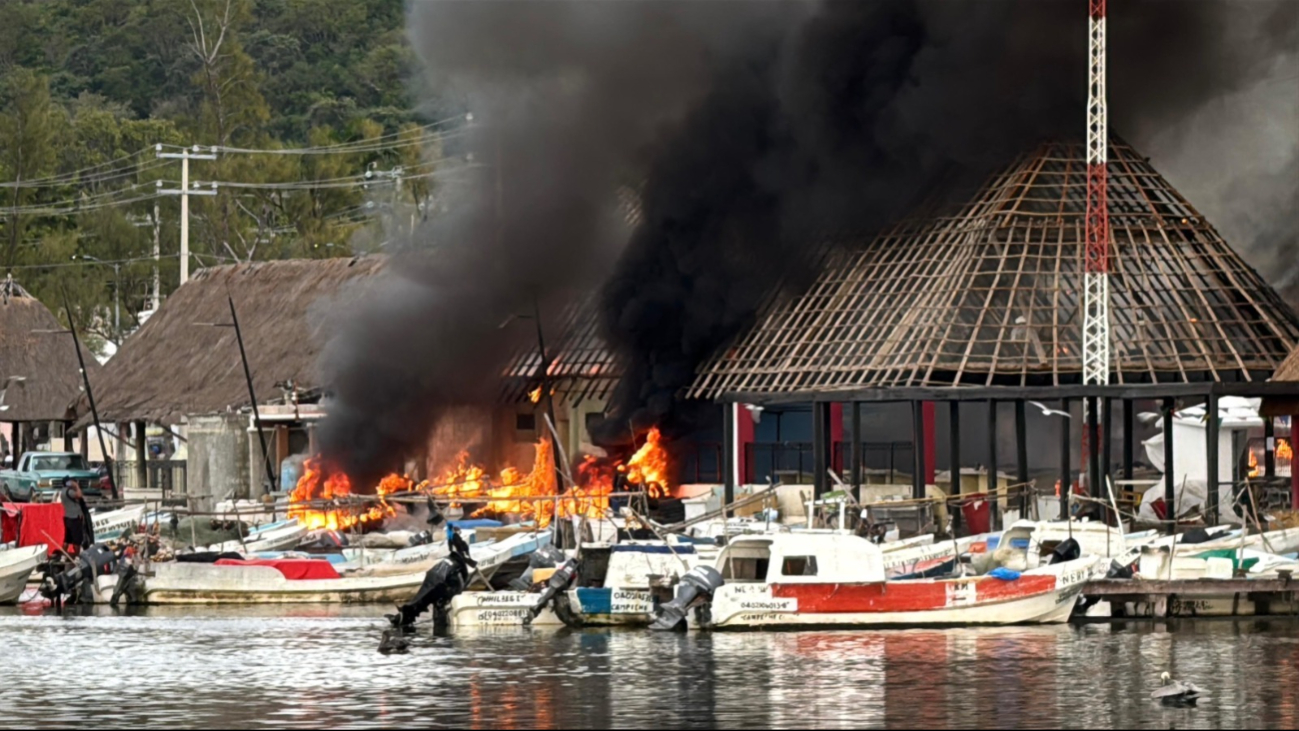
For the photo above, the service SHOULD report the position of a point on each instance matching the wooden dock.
(1197, 597)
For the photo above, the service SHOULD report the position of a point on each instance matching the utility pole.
(185, 155)
(156, 301)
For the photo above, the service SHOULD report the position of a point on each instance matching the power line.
(98, 262)
(370, 144)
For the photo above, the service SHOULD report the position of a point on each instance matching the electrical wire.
(102, 262)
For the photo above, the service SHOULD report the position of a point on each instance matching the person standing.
(76, 534)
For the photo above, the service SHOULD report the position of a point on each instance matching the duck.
(391, 644)
(1176, 693)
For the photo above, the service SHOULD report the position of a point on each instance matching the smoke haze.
(751, 131)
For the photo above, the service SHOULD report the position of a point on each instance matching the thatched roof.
(178, 364)
(581, 364)
(990, 295)
(35, 347)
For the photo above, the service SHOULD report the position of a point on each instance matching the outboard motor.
(546, 557)
(695, 590)
(441, 584)
(1067, 550)
(423, 538)
(559, 581)
(77, 580)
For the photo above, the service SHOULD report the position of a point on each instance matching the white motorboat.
(16, 567)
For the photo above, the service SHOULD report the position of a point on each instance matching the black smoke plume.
(752, 132)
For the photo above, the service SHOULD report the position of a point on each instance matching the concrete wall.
(218, 459)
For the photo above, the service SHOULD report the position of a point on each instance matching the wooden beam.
(141, 457)
(1269, 448)
(917, 450)
(954, 462)
(994, 502)
(821, 447)
(1212, 433)
(857, 456)
(1021, 454)
(1186, 587)
(1066, 465)
(1170, 501)
(729, 456)
(1146, 391)
(1093, 447)
(1129, 436)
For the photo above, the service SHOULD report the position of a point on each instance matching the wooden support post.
(729, 457)
(995, 502)
(918, 448)
(1212, 431)
(1107, 443)
(1129, 436)
(1021, 456)
(1093, 448)
(954, 414)
(85, 444)
(141, 456)
(857, 456)
(1269, 448)
(1294, 463)
(1066, 467)
(821, 448)
(67, 436)
(1170, 494)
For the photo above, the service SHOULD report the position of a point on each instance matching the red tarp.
(293, 569)
(39, 523)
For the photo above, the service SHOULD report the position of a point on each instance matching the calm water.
(314, 667)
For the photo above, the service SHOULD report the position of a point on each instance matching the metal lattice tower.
(1096, 251)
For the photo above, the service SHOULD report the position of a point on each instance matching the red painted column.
(931, 443)
(836, 436)
(743, 438)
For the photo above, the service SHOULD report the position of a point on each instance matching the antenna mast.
(1096, 250)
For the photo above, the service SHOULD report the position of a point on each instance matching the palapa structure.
(185, 359)
(40, 378)
(984, 302)
(990, 295)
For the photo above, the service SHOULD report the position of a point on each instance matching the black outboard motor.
(441, 584)
(423, 538)
(546, 557)
(1067, 550)
(695, 590)
(559, 581)
(76, 581)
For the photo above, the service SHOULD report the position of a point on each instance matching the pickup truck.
(40, 475)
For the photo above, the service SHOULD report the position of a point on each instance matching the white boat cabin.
(802, 558)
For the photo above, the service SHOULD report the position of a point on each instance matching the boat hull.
(211, 584)
(16, 567)
(1043, 596)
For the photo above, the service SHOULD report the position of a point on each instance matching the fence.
(165, 475)
(792, 461)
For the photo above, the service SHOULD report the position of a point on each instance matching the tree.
(27, 129)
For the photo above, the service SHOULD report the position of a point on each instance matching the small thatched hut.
(183, 367)
(39, 376)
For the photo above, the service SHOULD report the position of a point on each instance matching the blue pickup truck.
(39, 476)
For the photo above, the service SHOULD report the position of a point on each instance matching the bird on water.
(1176, 693)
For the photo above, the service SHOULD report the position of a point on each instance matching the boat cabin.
(801, 558)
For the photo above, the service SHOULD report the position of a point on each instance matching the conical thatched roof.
(178, 364)
(38, 360)
(990, 294)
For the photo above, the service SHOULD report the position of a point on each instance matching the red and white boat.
(807, 579)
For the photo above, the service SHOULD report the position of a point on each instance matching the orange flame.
(315, 487)
(1283, 450)
(535, 394)
(525, 495)
(1253, 464)
(649, 465)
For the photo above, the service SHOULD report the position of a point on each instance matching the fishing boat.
(313, 581)
(624, 585)
(805, 579)
(113, 524)
(278, 536)
(16, 567)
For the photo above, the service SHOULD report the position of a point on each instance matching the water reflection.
(317, 666)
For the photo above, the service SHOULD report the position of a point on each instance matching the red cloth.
(38, 523)
(293, 569)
